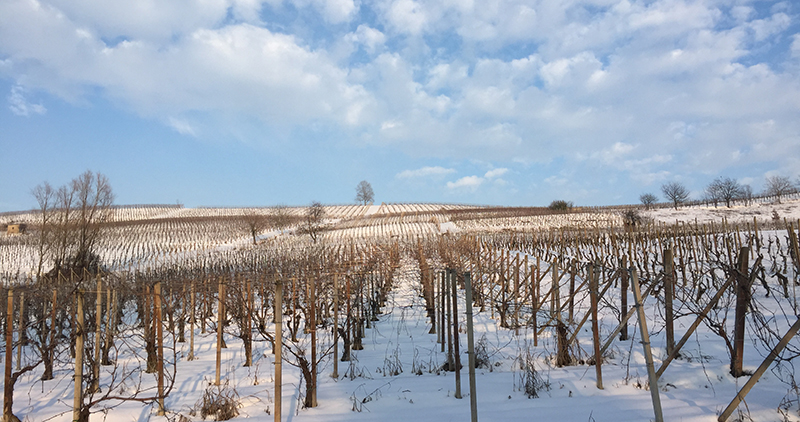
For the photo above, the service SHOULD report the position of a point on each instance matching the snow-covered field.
(398, 376)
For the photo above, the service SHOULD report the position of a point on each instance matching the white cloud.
(182, 126)
(20, 105)
(491, 174)
(424, 172)
(370, 38)
(470, 183)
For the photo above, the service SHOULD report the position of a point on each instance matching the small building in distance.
(16, 228)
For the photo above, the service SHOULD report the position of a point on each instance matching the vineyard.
(382, 313)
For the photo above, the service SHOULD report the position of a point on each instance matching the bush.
(220, 402)
(560, 205)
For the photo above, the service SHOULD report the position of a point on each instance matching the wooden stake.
(159, 348)
(77, 403)
(278, 347)
(669, 296)
(456, 356)
(773, 354)
(8, 392)
(98, 319)
(598, 356)
(648, 355)
(219, 333)
(473, 393)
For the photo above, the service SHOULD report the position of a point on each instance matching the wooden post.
(473, 393)
(110, 311)
(648, 355)
(669, 296)
(160, 348)
(77, 403)
(442, 297)
(598, 356)
(456, 357)
(773, 354)
(278, 346)
(22, 329)
(335, 373)
(742, 301)
(313, 321)
(8, 392)
(191, 322)
(219, 333)
(623, 307)
(693, 327)
(98, 319)
(448, 323)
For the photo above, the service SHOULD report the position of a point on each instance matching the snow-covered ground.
(695, 388)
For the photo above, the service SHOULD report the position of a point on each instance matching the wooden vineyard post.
(555, 304)
(449, 321)
(669, 295)
(191, 321)
(21, 329)
(77, 403)
(98, 318)
(278, 346)
(598, 356)
(335, 373)
(473, 394)
(535, 302)
(312, 282)
(442, 330)
(219, 333)
(773, 354)
(571, 316)
(8, 392)
(456, 356)
(648, 355)
(160, 348)
(111, 308)
(742, 301)
(623, 300)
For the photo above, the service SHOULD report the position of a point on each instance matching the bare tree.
(779, 186)
(93, 200)
(254, 222)
(364, 193)
(281, 217)
(724, 189)
(45, 198)
(648, 199)
(313, 225)
(676, 192)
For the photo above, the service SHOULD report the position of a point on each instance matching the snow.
(696, 387)
(692, 389)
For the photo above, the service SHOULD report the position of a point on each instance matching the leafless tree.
(676, 192)
(254, 222)
(281, 218)
(364, 193)
(724, 189)
(313, 225)
(648, 199)
(779, 186)
(45, 198)
(93, 200)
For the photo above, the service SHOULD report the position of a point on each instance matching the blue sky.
(249, 102)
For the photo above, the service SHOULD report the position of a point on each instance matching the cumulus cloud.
(626, 84)
(424, 172)
(470, 183)
(495, 173)
(20, 105)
